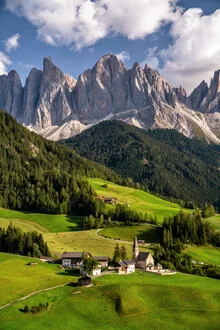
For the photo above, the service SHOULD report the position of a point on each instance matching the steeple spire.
(135, 248)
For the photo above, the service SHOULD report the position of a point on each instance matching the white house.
(97, 271)
(125, 267)
(72, 259)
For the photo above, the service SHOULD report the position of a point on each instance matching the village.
(142, 261)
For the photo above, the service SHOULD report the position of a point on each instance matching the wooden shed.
(85, 281)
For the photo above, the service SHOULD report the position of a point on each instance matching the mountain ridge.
(57, 105)
(163, 161)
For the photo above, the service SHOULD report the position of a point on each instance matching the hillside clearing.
(137, 199)
(207, 254)
(215, 221)
(52, 223)
(148, 232)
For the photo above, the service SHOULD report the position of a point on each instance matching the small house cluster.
(109, 200)
(75, 260)
(140, 260)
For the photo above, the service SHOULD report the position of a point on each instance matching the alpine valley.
(57, 106)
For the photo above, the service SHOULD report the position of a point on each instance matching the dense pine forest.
(13, 240)
(41, 176)
(182, 229)
(162, 161)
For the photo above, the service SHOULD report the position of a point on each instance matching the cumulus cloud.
(123, 56)
(4, 62)
(80, 23)
(12, 42)
(152, 58)
(195, 53)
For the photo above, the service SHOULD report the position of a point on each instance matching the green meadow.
(137, 199)
(207, 254)
(19, 279)
(215, 221)
(149, 233)
(137, 301)
(87, 240)
(50, 222)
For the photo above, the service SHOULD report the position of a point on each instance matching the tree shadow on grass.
(150, 235)
(77, 222)
(69, 272)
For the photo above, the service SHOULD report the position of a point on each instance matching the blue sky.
(176, 37)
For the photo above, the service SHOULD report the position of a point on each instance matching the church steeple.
(135, 248)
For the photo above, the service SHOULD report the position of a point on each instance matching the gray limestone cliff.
(11, 94)
(206, 99)
(56, 105)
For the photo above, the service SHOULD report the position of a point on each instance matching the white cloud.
(80, 23)
(12, 42)
(152, 58)
(4, 62)
(123, 56)
(195, 53)
(136, 19)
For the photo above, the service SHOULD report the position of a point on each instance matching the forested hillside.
(42, 176)
(161, 161)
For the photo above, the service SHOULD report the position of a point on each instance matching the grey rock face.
(207, 99)
(196, 97)
(55, 105)
(180, 93)
(54, 100)
(11, 94)
(31, 96)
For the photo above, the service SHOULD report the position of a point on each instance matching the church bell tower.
(135, 249)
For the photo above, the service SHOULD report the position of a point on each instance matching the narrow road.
(32, 294)
(111, 239)
(119, 240)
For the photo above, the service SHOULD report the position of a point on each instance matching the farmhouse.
(125, 267)
(110, 200)
(103, 260)
(73, 259)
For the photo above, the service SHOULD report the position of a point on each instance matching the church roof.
(142, 256)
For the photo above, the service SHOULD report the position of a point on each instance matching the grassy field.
(207, 254)
(138, 199)
(215, 221)
(18, 279)
(146, 302)
(52, 223)
(148, 232)
(87, 240)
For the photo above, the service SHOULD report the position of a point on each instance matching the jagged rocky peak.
(198, 94)
(109, 62)
(207, 99)
(51, 99)
(11, 93)
(215, 83)
(31, 96)
(161, 90)
(71, 82)
(180, 93)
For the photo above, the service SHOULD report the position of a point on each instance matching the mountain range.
(58, 106)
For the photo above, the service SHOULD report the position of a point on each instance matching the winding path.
(32, 294)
